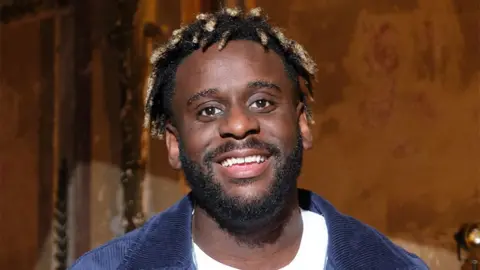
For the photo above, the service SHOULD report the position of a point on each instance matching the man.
(229, 93)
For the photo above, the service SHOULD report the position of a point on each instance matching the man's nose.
(238, 124)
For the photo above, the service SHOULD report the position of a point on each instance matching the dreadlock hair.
(219, 28)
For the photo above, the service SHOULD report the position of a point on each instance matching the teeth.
(240, 161)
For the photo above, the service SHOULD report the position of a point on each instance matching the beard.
(240, 217)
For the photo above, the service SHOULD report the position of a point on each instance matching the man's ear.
(171, 140)
(305, 130)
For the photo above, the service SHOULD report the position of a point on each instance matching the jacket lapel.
(354, 245)
(165, 242)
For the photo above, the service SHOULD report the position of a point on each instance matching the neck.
(276, 246)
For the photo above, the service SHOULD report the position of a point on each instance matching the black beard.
(245, 219)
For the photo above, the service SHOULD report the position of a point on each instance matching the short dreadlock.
(220, 28)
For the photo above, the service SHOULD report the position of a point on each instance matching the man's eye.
(260, 104)
(210, 111)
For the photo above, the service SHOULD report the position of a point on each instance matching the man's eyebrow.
(203, 93)
(212, 91)
(263, 84)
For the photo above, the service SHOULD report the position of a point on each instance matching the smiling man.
(229, 93)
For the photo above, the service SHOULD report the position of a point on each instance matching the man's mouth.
(243, 160)
(245, 163)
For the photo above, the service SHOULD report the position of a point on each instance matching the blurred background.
(397, 133)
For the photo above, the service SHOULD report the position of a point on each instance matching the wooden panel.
(232, 3)
(249, 4)
(20, 90)
(65, 100)
(45, 199)
(82, 121)
(190, 9)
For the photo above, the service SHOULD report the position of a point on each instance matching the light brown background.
(396, 136)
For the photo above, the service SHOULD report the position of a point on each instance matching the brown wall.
(396, 135)
(397, 114)
(26, 141)
(397, 117)
(162, 186)
(28, 92)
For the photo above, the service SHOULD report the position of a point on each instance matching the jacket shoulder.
(145, 245)
(356, 245)
(108, 256)
(389, 254)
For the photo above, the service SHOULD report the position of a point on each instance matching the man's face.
(239, 133)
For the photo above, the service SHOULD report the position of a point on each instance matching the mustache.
(251, 143)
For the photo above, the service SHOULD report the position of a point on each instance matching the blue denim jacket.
(165, 242)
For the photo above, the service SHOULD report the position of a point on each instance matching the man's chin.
(244, 210)
(247, 190)
(248, 200)
(243, 200)
(248, 219)
(247, 195)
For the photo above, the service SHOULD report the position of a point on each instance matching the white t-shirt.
(311, 253)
